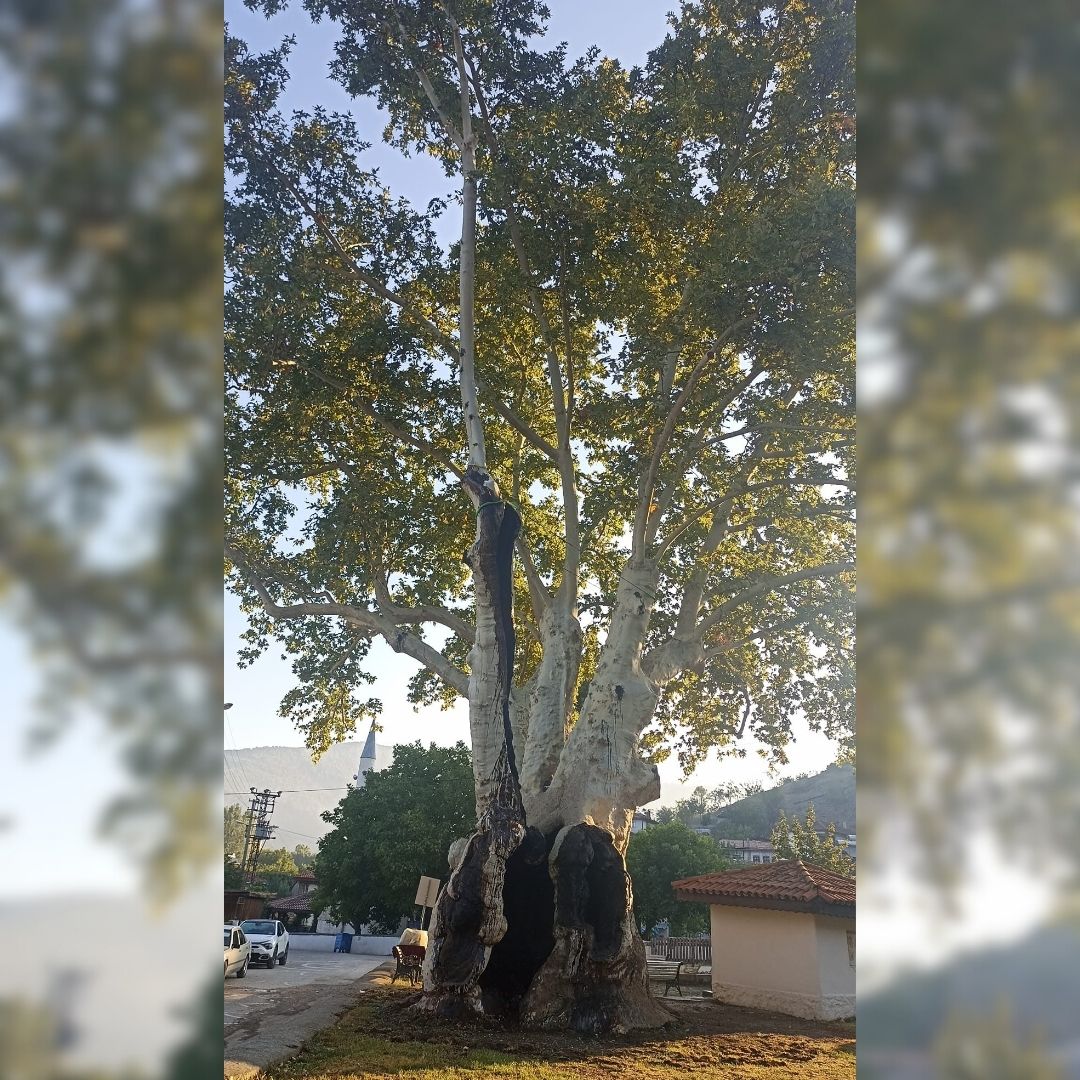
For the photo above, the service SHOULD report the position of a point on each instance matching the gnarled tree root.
(541, 929)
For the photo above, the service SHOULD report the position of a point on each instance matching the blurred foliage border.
(110, 309)
(110, 427)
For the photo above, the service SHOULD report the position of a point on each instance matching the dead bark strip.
(469, 919)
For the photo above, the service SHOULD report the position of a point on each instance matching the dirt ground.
(705, 1039)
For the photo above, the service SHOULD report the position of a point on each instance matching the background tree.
(989, 1047)
(796, 839)
(235, 830)
(303, 856)
(633, 371)
(970, 433)
(109, 403)
(275, 871)
(659, 855)
(395, 829)
(234, 875)
(702, 805)
(967, 629)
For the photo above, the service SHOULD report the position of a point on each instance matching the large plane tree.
(590, 466)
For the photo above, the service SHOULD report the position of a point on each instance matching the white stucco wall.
(364, 944)
(837, 973)
(781, 960)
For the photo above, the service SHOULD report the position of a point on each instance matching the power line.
(238, 770)
(239, 764)
(293, 832)
(230, 776)
(347, 787)
(293, 791)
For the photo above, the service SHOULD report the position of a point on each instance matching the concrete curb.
(305, 1011)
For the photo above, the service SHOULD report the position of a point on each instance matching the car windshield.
(255, 926)
(227, 936)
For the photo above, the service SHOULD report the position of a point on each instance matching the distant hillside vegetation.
(310, 787)
(832, 792)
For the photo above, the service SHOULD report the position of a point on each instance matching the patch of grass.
(380, 1038)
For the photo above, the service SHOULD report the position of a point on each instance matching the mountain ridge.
(831, 791)
(309, 788)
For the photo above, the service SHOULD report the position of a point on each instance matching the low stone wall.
(365, 944)
(805, 1006)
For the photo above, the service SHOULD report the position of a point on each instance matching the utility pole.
(258, 829)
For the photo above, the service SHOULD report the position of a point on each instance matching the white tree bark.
(601, 779)
(550, 705)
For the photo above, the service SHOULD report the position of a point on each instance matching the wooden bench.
(665, 971)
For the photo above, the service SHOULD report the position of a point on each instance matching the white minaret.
(367, 757)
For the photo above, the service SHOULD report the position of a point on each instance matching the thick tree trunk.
(537, 923)
(594, 978)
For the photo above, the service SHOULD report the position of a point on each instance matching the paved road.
(274, 1010)
(260, 989)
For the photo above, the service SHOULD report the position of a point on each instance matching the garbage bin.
(343, 943)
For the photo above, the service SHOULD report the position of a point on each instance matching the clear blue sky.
(626, 29)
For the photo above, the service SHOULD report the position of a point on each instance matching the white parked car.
(237, 952)
(269, 941)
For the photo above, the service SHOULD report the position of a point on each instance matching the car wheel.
(242, 973)
(284, 958)
(272, 962)
(226, 969)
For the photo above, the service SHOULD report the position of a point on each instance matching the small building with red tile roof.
(783, 937)
(296, 909)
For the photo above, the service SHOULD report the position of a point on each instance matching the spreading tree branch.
(370, 622)
(379, 288)
(445, 341)
(538, 593)
(771, 584)
(456, 137)
(419, 613)
(652, 469)
(802, 619)
(565, 459)
(401, 434)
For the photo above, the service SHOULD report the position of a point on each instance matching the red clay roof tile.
(291, 903)
(790, 882)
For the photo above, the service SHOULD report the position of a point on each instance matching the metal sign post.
(426, 894)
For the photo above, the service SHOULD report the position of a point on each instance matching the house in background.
(295, 909)
(642, 820)
(762, 851)
(783, 937)
(241, 904)
(748, 851)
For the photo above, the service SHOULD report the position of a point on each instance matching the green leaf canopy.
(664, 287)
